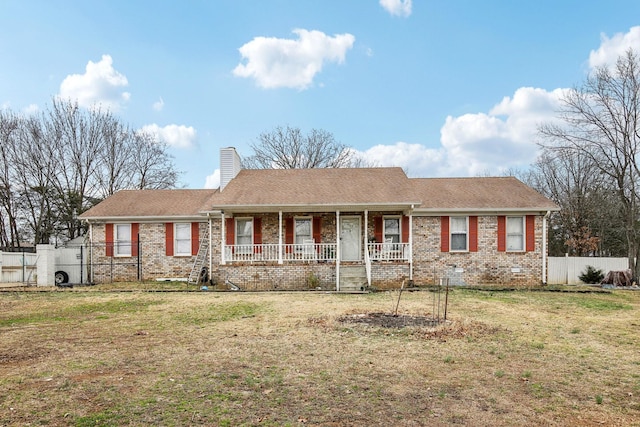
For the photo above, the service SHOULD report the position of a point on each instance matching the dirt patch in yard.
(426, 327)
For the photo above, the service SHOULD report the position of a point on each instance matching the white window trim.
(117, 242)
(524, 234)
(175, 239)
(466, 235)
(384, 227)
(235, 234)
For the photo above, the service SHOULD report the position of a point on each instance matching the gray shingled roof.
(152, 203)
(480, 193)
(318, 187)
(328, 188)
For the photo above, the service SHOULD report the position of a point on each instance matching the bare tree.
(57, 165)
(289, 148)
(9, 235)
(152, 166)
(588, 220)
(600, 121)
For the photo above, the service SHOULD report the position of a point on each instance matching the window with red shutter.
(135, 231)
(108, 239)
(502, 234)
(317, 231)
(405, 229)
(168, 238)
(377, 229)
(473, 234)
(444, 233)
(288, 233)
(531, 233)
(257, 234)
(195, 238)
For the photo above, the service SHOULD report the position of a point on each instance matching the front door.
(350, 238)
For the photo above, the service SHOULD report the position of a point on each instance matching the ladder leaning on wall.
(200, 262)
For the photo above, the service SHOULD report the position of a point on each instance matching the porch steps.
(353, 278)
(195, 276)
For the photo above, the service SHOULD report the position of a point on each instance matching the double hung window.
(459, 233)
(122, 241)
(182, 235)
(303, 231)
(244, 235)
(515, 233)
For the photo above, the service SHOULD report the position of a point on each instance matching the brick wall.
(486, 266)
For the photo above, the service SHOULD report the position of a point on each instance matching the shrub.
(591, 275)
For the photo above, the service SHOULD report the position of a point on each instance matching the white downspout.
(411, 244)
(367, 259)
(279, 237)
(91, 249)
(223, 240)
(337, 250)
(544, 247)
(210, 245)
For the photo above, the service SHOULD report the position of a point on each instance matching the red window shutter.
(502, 233)
(195, 238)
(377, 229)
(135, 230)
(405, 229)
(230, 228)
(288, 233)
(531, 233)
(317, 231)
(257, 234)
(168, 237)
(473, 234)
(108, 239)
(444, 233)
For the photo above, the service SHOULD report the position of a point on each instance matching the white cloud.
(472, 144)
(213, 180)
(101, 85)
(414, 158)
(611, 48)
(397, 7)
(158, 105)
(178, 136)
(275, 62)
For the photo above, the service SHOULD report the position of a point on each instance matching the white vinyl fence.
(18, 267)
(565, 270)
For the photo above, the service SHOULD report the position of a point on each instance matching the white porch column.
(366, 236)
(279, 237)
(337, 250)
(411, 246)
(210, 245)
(223, 240)
(544, 247)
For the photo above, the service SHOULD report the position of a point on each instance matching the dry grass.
(505, 358)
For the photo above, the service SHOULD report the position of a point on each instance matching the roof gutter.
(494, 211)
(311, 206)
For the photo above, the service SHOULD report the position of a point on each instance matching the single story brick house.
(336, 229)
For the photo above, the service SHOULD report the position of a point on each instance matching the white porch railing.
(290, 252)
(388, 251)
(325, 252)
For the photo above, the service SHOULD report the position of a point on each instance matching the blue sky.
(440, 88)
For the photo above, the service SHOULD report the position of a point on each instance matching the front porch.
(353, 245)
